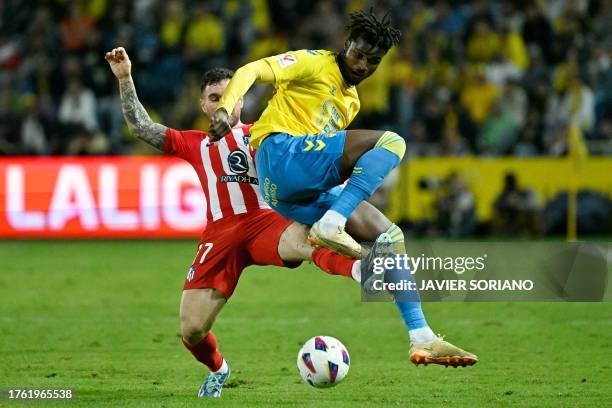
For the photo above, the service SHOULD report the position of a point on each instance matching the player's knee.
(293, 244)
(193, 330)
(393, 143)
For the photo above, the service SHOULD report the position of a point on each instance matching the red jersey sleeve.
(180, 143)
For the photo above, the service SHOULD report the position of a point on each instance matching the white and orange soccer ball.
(323, 361)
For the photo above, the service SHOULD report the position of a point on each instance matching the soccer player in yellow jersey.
(304, 154)
(303, 150)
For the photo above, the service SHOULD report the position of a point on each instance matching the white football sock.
(356, 271)
(331, 220)
(421, 335)
(224, 368)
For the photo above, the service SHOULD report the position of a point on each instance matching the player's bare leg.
(198, 311)
(368, 156)
(366, 223)
(294, 246)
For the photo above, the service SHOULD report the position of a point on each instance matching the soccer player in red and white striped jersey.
(226, 169)
(241, 229)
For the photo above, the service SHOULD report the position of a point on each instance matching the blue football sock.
(368, 174)
(407, 301)
(412, 314)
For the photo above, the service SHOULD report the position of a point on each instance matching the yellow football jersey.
(311, 96)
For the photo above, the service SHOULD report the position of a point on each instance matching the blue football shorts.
(299, 176)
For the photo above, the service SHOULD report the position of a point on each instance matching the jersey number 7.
(208, 246)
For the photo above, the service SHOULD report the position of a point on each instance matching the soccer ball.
(323, 361)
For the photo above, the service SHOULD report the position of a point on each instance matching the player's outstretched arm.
(136, 116)
(254, 72)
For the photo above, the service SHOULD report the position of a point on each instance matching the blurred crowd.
(471, 77)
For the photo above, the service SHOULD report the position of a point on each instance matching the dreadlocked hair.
(379, 33)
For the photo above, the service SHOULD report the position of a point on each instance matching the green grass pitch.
(101, 317)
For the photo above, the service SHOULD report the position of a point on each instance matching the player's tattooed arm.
(139, 122)
(138, 119)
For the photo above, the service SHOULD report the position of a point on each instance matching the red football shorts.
(233, 243)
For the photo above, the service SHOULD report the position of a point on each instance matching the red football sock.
(333, 263)
(206, 352)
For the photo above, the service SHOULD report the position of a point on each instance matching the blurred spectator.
(452, 143)
(172, 27)
(603, 135)
(77, 28)
(78, 106)
(435, 72)
(33, 133)
(204, 38)
(42, 34)
(9, 123)
(456, 208)
(529, 144)
(78, 117)
(484, 44)
(594, 213)
(502, 70)
(557, 143)
(111, 120)
(514, 49)
(537, 30)
(513, 102)
(433, 111)
(516, 210)
(146, 38)
(323, 29)
(418, 144)
(565, 70)
(575, 104)
(498, 132)
(478, 97)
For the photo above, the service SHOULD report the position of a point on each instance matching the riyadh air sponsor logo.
(235, 178)
(238, 162)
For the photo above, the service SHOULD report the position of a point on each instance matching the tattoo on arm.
(138, 119)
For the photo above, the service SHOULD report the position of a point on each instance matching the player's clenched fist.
(219, 124)
(119, 62)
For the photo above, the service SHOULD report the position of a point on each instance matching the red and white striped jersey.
(226, 169)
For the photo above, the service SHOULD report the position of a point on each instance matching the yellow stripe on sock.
(395, 233)
(393, 143)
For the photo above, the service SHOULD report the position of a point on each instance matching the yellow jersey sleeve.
(257, 71)
(302, 65)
